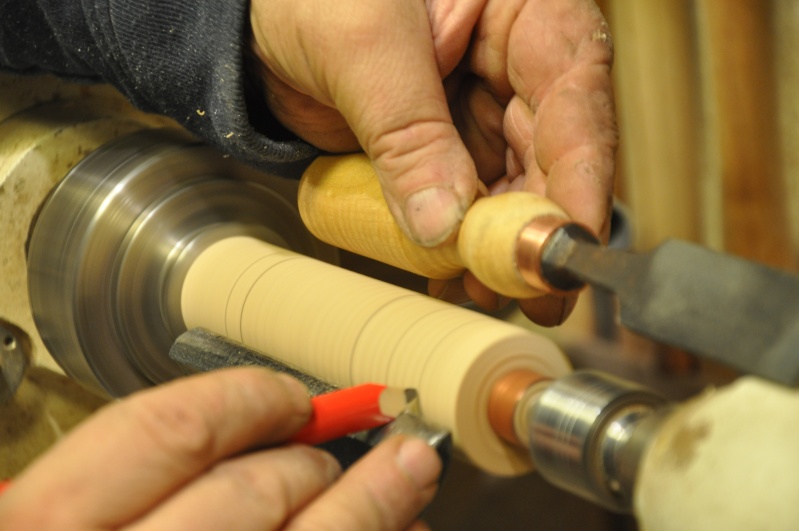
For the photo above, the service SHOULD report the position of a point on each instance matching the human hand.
(174, 458)
(442, 95)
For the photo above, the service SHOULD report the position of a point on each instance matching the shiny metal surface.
(587, 433)
(508, 401)
(47, 126)
(533, 245)
(624, 439)
(409, 423)
(109, 249)
(683, 295)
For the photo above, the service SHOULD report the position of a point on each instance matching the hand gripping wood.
(341, 203)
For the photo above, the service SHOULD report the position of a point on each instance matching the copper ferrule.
(507, 396)
(530, 246)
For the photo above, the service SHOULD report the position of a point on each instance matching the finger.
(485, 90)
(393, 98)
(482, 295)
(490, 46)
(513, 165)
(383, 77)
(316, 123)
(479, 118)
(584, 189)
(451, 291)
(451, 22)
(384, 490)
(559, 65)
(549, 310)
(519, 125)
(257, 491)
(465, 289)
(580, 179)
(137, 451)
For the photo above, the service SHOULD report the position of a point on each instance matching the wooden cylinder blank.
(350, 329)
(341, 203)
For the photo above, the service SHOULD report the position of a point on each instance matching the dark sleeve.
(181, 58)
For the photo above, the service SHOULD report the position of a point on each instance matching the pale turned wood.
(349, 329)
(341, 203)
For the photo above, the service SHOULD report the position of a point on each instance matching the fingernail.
(299, 394)
(503, 301)
(294, 386)
(420, 462)
(436, 288)
(451, 291)
(432, 215)
(482, 190)
(549, 310)
(569, 302)
(332, 466)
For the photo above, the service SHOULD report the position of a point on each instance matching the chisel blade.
(721, 307)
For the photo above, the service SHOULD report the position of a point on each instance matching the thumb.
(392, 97)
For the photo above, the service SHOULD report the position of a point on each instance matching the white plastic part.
(728, 460)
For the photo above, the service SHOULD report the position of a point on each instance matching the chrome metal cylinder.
(587, 433)
(111, 244)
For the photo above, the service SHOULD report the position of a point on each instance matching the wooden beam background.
(707, 98)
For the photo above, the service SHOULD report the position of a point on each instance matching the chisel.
(718, 306)
(520, 245)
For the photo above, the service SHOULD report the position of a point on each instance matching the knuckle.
(177, 429)
(248, 482)
(275, 482)
(261, 491)
(401, 144)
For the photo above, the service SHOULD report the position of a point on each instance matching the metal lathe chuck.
(588, 432)
(110, 245)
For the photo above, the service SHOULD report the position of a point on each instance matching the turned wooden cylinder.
(349, 329)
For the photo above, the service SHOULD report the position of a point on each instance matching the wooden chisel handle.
(341, 203)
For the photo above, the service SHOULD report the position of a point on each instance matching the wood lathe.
(121, 232)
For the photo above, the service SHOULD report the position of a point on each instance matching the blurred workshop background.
(707, 95)
(708, 107)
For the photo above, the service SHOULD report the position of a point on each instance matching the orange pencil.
(351, 410)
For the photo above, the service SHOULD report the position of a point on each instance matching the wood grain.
(350, 329)
(341, 203)
(741, 114)
(655, 78)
